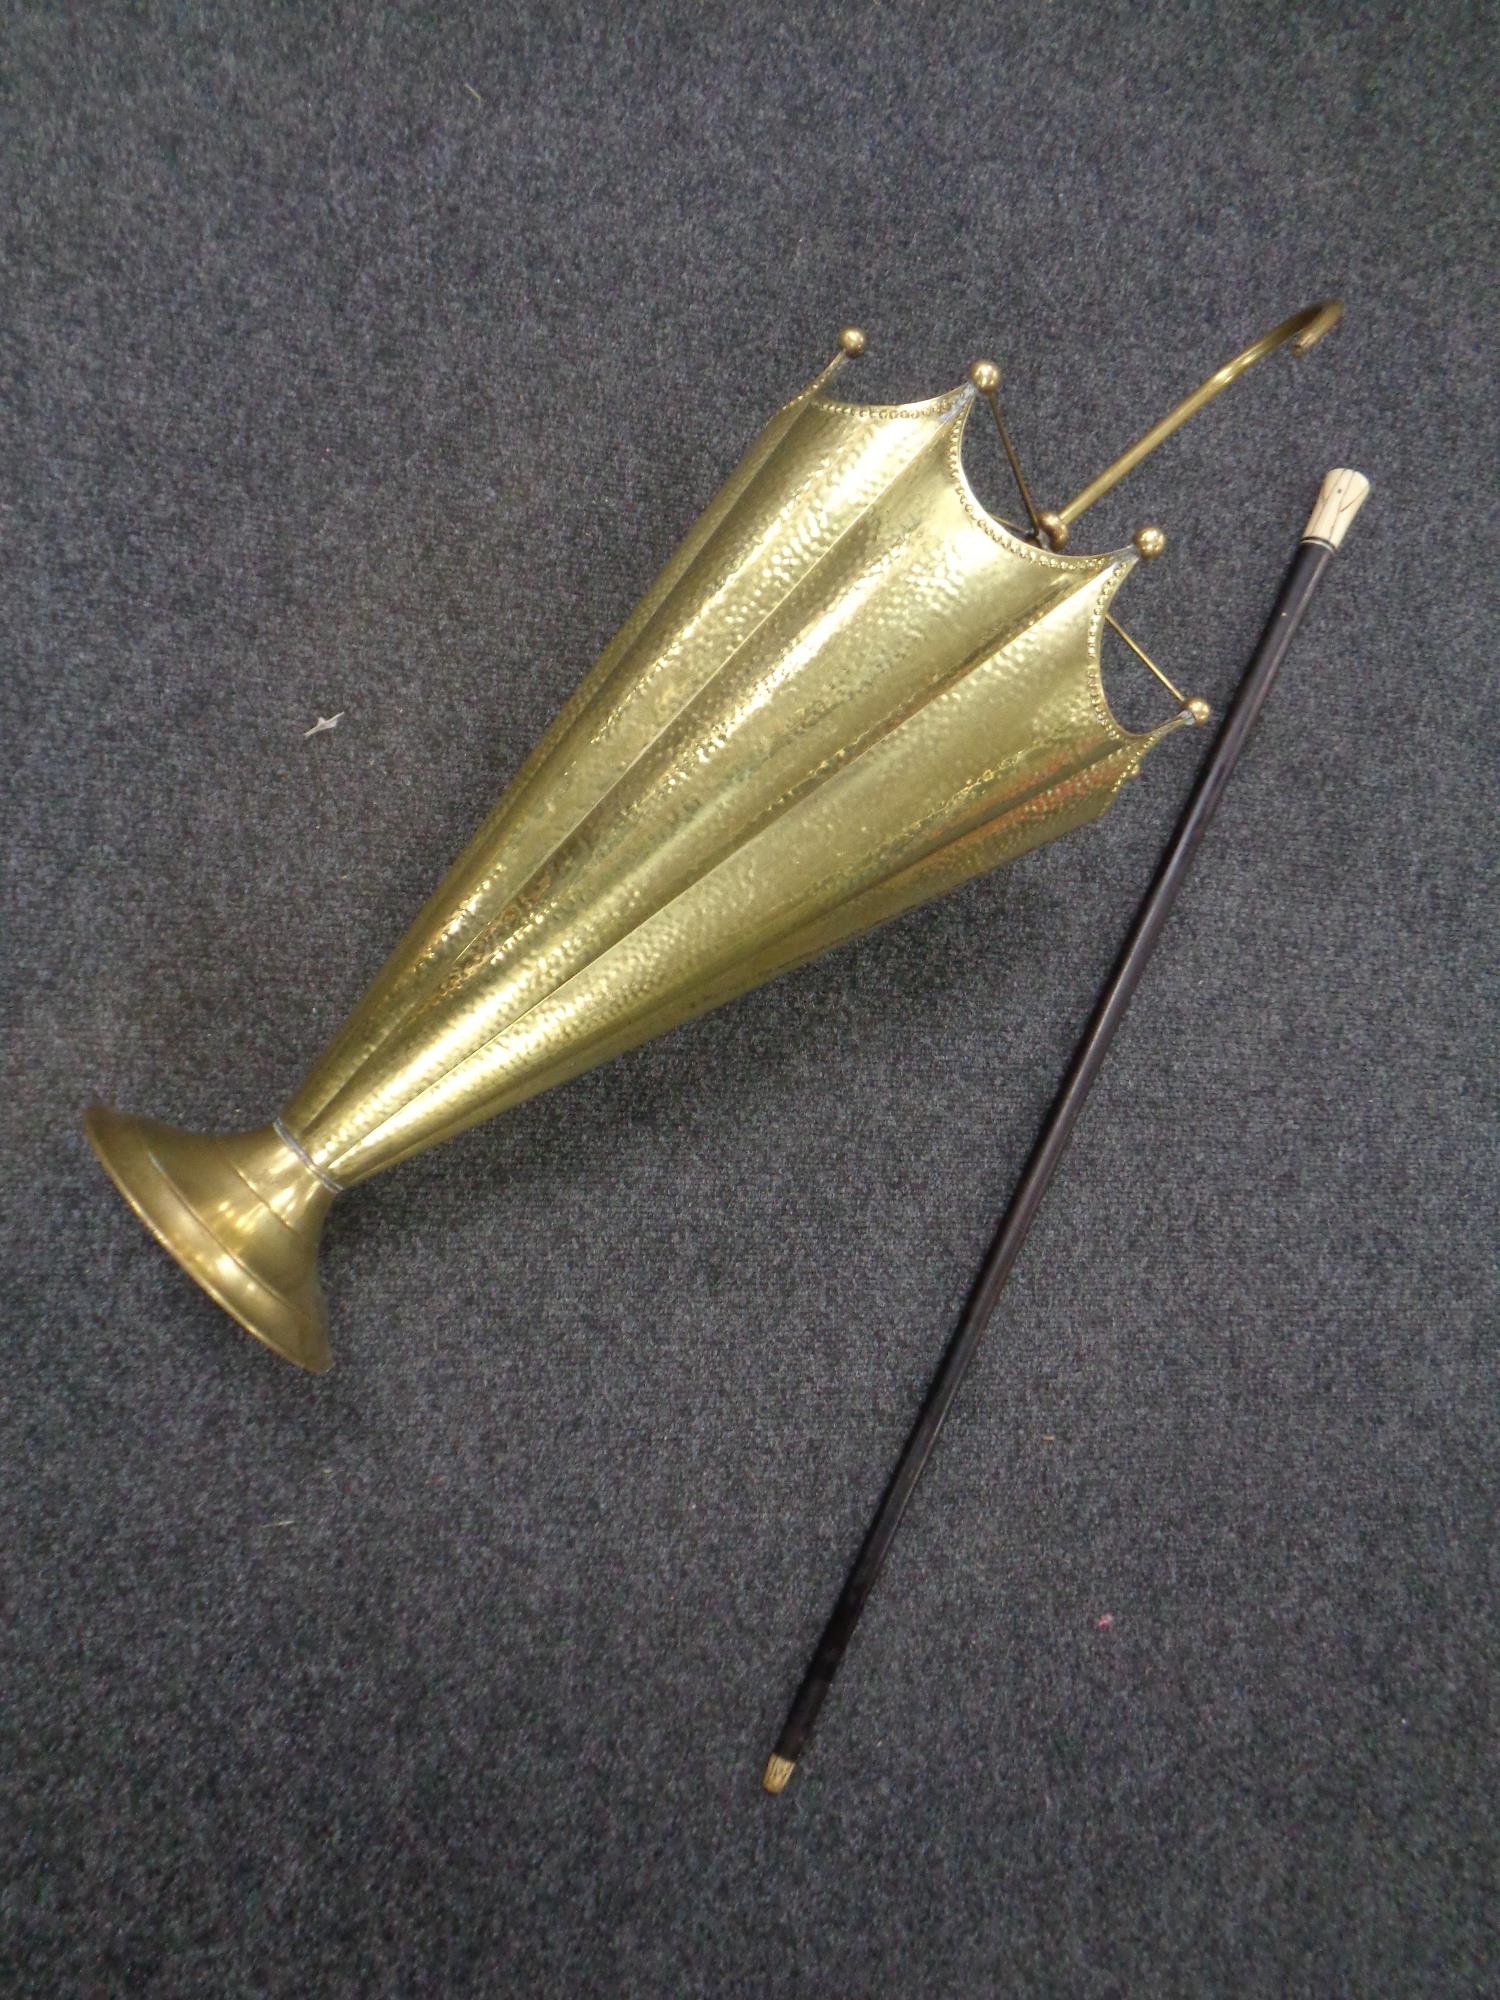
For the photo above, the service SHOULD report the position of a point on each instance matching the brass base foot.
(241, 1212)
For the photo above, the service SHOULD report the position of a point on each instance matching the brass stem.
(1303, 330)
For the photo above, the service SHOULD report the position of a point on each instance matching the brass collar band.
(294, 1145)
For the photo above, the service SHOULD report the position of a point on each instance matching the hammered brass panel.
(850, 690)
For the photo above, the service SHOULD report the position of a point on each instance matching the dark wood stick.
(1340, 499)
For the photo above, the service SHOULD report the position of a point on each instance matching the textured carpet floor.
(370, 361)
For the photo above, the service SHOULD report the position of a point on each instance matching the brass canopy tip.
(1199, 710)
(852, 341)
(985, 376)
(1149, 543)
(777, 1771)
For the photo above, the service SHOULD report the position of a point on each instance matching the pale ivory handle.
(1343, 494)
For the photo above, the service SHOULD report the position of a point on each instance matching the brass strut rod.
(1146, 660)
(986, 379)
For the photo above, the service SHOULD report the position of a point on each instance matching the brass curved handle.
(1302, 330)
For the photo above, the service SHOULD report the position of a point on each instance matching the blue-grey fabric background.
(369, 361)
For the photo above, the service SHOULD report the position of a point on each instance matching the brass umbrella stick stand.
(850, 690)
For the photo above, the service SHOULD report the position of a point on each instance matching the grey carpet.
(371, 360)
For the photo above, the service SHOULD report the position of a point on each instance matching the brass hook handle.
(1303, 330)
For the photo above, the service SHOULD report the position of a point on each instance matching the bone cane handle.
(1343, 494)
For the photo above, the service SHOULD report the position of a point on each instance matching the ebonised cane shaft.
(1342, 494)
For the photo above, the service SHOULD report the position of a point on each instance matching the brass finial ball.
(1199, 709)
(985, 376)
(1149, 543)
(852, 341)
(1054, 527)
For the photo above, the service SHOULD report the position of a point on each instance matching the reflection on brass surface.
(850, 690)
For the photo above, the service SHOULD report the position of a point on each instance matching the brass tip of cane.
(777, 1771)
(1054, 527)
(985, 376)
(1149, 543)
(1199, 710)
(852, 341)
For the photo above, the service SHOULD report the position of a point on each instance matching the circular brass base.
(241, 1212)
